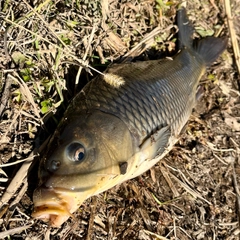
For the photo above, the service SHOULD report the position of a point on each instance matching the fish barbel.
(112, 133)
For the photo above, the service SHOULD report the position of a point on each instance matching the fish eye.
(76, 152)
(79, 154)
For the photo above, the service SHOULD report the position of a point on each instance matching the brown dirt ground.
(191, 193)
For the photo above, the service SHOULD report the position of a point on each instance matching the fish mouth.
(54, 205)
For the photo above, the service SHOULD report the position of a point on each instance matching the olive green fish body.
(155, 94)
(120, 125)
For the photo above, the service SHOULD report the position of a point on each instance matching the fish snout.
(52, 205)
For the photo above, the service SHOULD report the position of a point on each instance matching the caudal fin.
(208, 48)
(185, 29)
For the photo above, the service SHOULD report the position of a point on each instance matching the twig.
(21, 193)
(13, 231)
(27, 94)
(211, 146)
(5, 95)
(155, 235)
(214, 5)
(70, 229)
(4, 138)
(147, 220)
(233, 34)
(144, 44)
(16, 182)
(16, 162)
(86, 53)
(235, 183)
(184, 232)
(218, 158)
(91, 221)
(188, 189)
(237, 193)
(165, 174)
(174, 228)
(105, 10)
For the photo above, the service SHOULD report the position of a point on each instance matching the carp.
(121, 124)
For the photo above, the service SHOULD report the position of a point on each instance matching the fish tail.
(208, 48)
(185, 29)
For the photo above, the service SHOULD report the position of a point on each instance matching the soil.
(193, 193)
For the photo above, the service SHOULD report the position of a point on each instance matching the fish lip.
(53, 205)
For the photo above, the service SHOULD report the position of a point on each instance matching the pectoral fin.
(152, 150)
(157, 143)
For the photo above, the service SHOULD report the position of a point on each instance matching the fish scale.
(145, 106)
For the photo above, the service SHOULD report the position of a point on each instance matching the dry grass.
(233, 35)
(50, 49)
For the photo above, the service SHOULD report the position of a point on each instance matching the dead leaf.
(225, 88)
(233, 123)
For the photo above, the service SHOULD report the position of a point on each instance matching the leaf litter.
(48, 52)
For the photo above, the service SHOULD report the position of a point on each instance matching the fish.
(121, 124)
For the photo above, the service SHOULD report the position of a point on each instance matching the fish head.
(84, 157)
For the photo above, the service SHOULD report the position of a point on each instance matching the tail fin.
(185, 29)
(208, 48)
